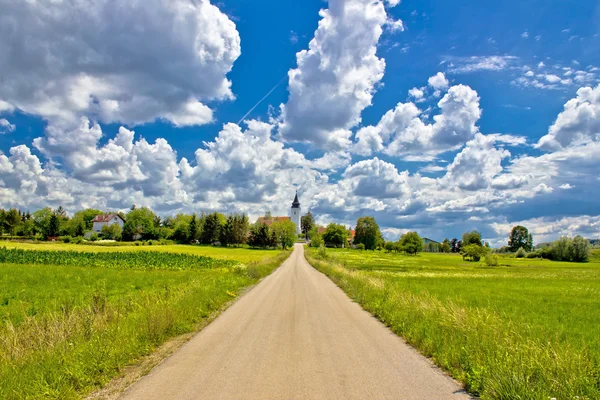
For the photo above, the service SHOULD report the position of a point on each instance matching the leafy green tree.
(307, 224)
(12, 220)
(520, 238)
(336, 235)
(241, 228)
(410, 243)
(521, 253)
(390, 246)
(139, 222)
(317, 240)
(445, 246)
(579, 249)
(26, 228)
(367, 233)
(53, 226)
(111, 232)
(211, 230)
(260, 236)
(285, 232)
(41, 220)
(473, 237)
(473, 252)
(192, 229)
(560, 249)
(226, 235)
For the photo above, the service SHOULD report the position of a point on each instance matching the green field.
(242, 254)
(67, 329)
(528, 329)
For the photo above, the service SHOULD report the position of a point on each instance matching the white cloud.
(579, 122)
(552, 78)
(401, 131)
(438, 81)
(336, 77)
(546, 229)
(83, 60)
(293, 37)
(525, 35)
(465, 65)
(416, 94)
(5, 126)
(393, 3)
(566, 186)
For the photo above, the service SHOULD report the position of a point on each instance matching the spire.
(296, 203)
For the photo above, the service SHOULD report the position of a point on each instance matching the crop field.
(527, 329)
(71, 320)
(244, 255)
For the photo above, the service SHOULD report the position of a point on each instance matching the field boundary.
(137, 370)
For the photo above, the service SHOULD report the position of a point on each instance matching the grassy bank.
(527, 330)
(66, 330)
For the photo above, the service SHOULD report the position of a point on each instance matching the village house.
(103, 220)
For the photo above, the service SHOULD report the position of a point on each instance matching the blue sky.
(427, 115)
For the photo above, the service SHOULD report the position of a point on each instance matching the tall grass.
(67, 330)
(506, 333)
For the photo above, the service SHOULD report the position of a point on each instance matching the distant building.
(426, 241)
(103, 220)
(295, 213)
(268, 220)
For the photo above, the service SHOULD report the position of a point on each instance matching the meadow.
(527, 329)
(73, 317)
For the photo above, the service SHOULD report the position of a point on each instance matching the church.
(295, 215)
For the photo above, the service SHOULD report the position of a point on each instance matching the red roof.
(269, 220)
(105, 217)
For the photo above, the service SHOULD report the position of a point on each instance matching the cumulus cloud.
(402, 131)
(5, 126)
(465, 65)
(438, 81)
(336, 77)
(81, 59)
(579, 121)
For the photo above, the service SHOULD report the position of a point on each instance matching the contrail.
(261, 100)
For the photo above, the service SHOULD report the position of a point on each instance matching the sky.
(426, 115)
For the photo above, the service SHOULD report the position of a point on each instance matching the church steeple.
(296, 203)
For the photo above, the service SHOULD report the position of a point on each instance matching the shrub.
(534, 254)
(78, 240)
(473, 252)
(322, 253)
(360, 246)
(67, 239)
(491, 260)
(94, 237)
(390, 246)
(137, 243)
(149, 242)
(317, 241)
(579, 249)
(521, 253)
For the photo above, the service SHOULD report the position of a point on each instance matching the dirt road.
(295, 336)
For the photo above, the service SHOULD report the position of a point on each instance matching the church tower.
(295, 213)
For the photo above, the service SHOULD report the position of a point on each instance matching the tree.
(241, 227)
(111, 232)
(41, 220)
(473, 252)
(192, 229)
(445, 246)
(226, 235)
(520, 238)
(336, 235)
(139, 223)
(12, 220)
(211, 229)
(53, 226)
(307, 223)
(455, 245)
(260, 236)
(317, 241)
(410, 243)
(367, 232)
(285, 232)
(579, 249)
(472, 237)
(390, 246)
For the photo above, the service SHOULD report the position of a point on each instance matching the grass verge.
(66, 330)
(506, 333)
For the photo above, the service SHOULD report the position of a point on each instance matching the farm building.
(102, 220)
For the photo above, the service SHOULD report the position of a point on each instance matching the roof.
(269, 220)
(106, 217)
(296, 203)
(427, 241)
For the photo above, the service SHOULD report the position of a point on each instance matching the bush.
(491, 260)
(360, 246)
(149, 242)
(473, 252)
(94, 237)
(534, 254)
(390, 246)
(137, 243)
(579, 249)
(521, 253)
(317, 241)
(322, 253)
(78, 240)
(67, 239)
